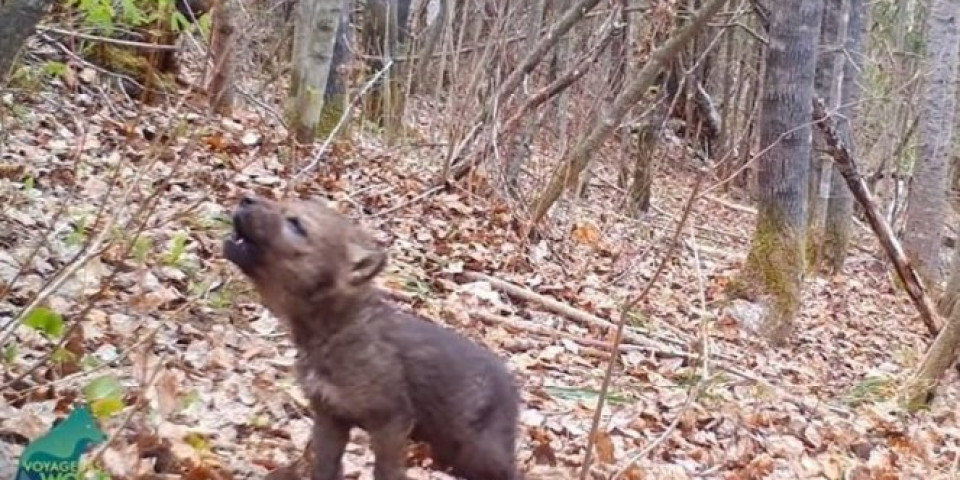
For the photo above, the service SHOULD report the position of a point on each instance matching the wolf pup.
(364, 363)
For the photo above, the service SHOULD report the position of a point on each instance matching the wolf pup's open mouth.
(238, 247)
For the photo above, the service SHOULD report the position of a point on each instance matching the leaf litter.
(196, 377)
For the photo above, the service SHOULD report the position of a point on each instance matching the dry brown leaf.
(603, 445)
(585, 233)
(168, 392)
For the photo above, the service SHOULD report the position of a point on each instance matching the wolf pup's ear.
(365, 263)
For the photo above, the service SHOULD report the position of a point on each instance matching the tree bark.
(335, 93)
(18, 19)
(221, 86)
(574, 162)
(773, 271)
(836, 239)
(948, 301)
(431, 33)
(926, 201)
(645, 139)
(520, 145)
(386, 33)
(827, 86)
(314, 37)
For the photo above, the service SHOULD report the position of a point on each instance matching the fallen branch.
(731, 205)
(604, 347)
(847, 167)
(563, 309)
(543, 330)
(113, 41)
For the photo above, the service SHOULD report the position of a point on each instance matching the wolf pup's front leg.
(330, 437)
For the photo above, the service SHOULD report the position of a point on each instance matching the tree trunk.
(335, 94)
(942, 353)
(646, 138)
(926, 201)
(386, 34)
(222, 44)
(314, 37)
(432, 31)
(948, 301)
(774, 267)
(826, 86)
(521, 145)
(840, 206)
(573, 163)
(17, 22)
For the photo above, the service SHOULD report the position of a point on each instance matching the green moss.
(333, 109)
(872, 389)
(27, 78)
(132, 64)
(298, 104)
(119, 60)
(773, 272)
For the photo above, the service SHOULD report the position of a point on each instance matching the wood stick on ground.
(601, 349)
(847, 167)
(543, 330)
(563, 309)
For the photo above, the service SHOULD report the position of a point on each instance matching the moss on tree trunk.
(773, 274)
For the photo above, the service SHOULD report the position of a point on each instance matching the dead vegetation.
(112, 213)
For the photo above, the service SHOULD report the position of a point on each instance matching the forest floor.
(207, 371)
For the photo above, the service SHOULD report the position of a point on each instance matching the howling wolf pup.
(364, 363)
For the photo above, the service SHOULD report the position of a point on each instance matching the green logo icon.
(56, 455)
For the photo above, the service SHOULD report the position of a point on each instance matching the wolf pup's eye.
(295, 224)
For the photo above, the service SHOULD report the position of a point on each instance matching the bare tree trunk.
(619, 59)
(17, 22)
(645, 139)
(773, 271)
(558, 61)
(836, 239)
(926, 202)
(574, 162)
(314, 37)
(221, 87)
(432, 34)
(948, 301)
(386, 36)
(521, 145)
(827, 86)
(335, 93)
